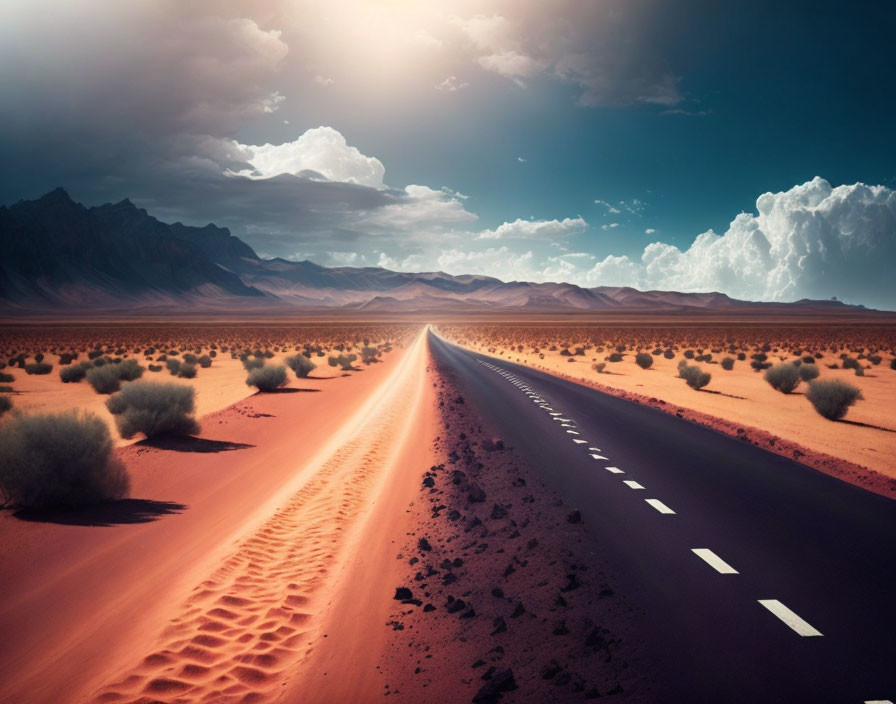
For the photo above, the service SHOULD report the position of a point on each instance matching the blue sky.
(490, 136)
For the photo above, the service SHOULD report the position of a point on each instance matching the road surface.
(760, 580)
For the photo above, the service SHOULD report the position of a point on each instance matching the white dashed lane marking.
(598, 457)
(579, 442)
(659, 506)
(632, 484)
(714, 561)
(615, 470)
(791, 619)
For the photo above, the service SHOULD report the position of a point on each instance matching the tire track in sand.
(244, 627)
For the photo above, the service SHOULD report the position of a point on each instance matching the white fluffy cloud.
(322, 150)
(812, 241)
(535, 229)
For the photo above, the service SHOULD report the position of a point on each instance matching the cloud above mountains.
(811, 241)
(154, 100)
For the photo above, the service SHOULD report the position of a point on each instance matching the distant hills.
(56, 254)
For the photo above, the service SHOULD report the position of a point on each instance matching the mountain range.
(56, 254)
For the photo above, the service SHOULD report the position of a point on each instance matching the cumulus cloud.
(812, 241)
(535, 229)
(322, 150)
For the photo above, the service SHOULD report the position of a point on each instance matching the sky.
(742, 147)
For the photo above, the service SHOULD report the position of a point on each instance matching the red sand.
(85, 604)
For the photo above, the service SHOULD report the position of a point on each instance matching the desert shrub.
(187, 371)
(669, 354)
(689, 354)
(694, 376)
(614, 357)
(808, 372)
(155, 367)
(39, 357)
(129, 370)
(643, 360)
(893, 363)
(6, 389)
(154, 408)
(727, 364)
(268, 377)
(741, 356)
(783, 377)
(860, 371)
(344, 361)
(173, 365)
(205, 361)
(369, 355)
(6, 378)
(5, 404)
(59, 459)
(250, 363)
(832, 398)
(599, 367)
(66, 359)
(72, 374)
(565, 353)
(851, 363)
(875, 359)
(301, 365)
(809, 359)
(105, 379)
(190, 358)
(38, 368)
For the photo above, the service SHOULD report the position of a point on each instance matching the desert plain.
(359, 531)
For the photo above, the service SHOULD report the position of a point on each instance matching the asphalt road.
(791, 596)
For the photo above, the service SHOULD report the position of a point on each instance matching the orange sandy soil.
(247, 558)
(217, 387)
(739, 401)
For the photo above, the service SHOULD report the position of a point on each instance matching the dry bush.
(73, 373)
(270, 377)
(643, 360)
(693, 375)
(301, 365)
(783, 377)
(832, 398)
(59, 459)
(104, 379)
(154, 408)
(808, 372)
